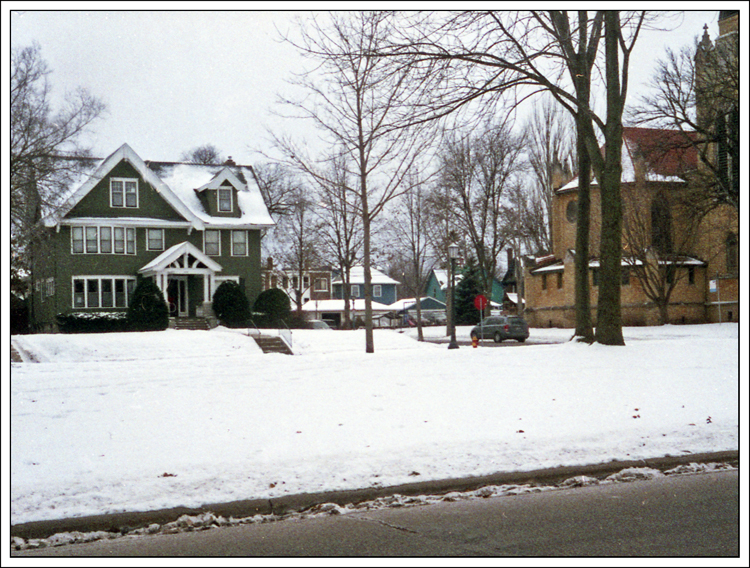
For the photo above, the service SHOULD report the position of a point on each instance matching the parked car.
(500, 328)
(318, 324)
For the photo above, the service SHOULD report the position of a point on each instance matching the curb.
(125, 522)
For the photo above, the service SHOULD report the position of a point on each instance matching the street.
(679, 515)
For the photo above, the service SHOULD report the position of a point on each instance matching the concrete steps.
(190, 323)
(272, 344)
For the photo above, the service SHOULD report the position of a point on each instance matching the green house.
(189, 227)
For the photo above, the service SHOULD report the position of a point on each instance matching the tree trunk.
(609, 319)
(584, 329)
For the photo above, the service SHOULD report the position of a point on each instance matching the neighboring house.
(432, 310)
(333, 311)
(315, 285)
(437, 286)
(661, 233)
(188, 227)
(383, 287)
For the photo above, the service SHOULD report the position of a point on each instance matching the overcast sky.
(176, 80)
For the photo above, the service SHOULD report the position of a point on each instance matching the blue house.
(437, 286)
(383, 287)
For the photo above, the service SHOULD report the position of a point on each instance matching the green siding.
(150, 203)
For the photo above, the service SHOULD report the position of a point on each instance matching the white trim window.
(239, 243)
(103, 240)
(355, 291)
(377, 291)
(123, 192)
(212, 242)
(224, 199)
(102, 291)
(321, 285)
(50, 287)
(154, 239)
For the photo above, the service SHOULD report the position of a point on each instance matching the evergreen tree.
(148, 311)
(274, 304)
(231, 305)
(466, 291)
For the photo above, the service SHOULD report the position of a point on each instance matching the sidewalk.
(125, 522)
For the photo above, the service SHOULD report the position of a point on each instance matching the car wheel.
(498, 337)
(521, 339)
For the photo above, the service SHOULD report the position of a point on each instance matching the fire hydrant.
(474, 341)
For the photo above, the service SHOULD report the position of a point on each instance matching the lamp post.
(453, 255)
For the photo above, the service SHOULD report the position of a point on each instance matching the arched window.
(732, 253)
(661, 225)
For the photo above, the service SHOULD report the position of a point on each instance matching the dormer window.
(123, 192)
(224, 195)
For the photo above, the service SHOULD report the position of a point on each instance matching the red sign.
(480, 302)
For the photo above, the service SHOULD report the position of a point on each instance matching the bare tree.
(550, 149)
(489, 55)
(45, 150)
(340, 225)
(299, 230)
(660, 231)
(410, 226)
(278, 185)
(696, 90)
(363, 106)
(208, 155)
(477, 170)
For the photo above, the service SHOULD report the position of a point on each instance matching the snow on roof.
(667, 154)
(442, 277)
(174, 252)
(177, 183)
(513, 297)
(338, 306)
(625, 261)
(184, 179)
(357, 276)
(408, 303)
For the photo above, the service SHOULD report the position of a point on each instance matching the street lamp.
(453, 250)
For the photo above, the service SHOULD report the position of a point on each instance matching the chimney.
(229, 162)
(269, 263)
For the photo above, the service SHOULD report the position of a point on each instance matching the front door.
(177, 296)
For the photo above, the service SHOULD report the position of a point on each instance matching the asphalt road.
(681, 515)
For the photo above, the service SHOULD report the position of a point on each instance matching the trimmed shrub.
(92, 322)
(274, 304)
(19, 315)
(148, 311)
(231, 305)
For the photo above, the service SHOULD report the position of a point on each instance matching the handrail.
(250, 320)
(288, 331)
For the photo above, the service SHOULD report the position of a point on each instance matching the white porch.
(174, 270)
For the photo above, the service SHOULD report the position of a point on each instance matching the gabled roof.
(182, 250)
(127, 154)
(185, 179)
(667, 155)
(357, 276)
(441, 275)
(177, 184)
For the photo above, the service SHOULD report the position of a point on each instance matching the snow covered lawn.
(135, 421)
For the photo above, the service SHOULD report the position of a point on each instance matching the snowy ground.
(135, 421)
